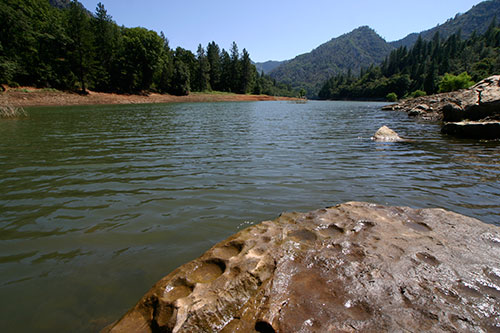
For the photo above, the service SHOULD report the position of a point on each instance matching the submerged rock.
(353, 267)
(385, 134)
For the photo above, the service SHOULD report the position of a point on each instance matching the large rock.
(356, 267)
(479, 102)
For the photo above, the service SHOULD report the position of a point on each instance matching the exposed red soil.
(29, 96)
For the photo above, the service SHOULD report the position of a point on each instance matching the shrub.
(450, 82)
(392, 97)
(417, 93)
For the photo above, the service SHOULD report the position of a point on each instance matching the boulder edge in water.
(353, 267)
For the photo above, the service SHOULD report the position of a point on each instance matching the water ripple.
(97, 200)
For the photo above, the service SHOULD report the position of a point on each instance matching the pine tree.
(202, 71)
(106, 44)
(235, 70)
(226, 74)
(165, 70)
(247, 76)
(213, 56)
(81, 42)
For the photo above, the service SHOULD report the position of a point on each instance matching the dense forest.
(66, 47)
(419, 70)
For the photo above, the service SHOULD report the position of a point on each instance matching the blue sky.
(277, 29)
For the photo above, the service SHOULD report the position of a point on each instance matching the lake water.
(99, 202)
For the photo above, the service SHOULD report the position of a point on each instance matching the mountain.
(478, 18)
(60, 3)
(268, 66)
(359, 48)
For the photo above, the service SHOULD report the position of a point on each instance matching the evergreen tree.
(235, 71)
(213, 56)
(106, 44)
(247, 75)
(165, 70)
(81, 47)
(226, 74)
(430, 82)
(202, 71)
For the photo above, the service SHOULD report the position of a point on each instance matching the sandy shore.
(28, 96)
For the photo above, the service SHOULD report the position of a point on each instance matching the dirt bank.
(28, 96)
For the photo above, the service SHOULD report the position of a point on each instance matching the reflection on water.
(97, 203)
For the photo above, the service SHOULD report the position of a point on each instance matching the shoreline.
(30, 96)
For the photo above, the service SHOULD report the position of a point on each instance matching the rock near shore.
(355, 267)
(480, 103)
(385, 134)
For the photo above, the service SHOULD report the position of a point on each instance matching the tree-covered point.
(68, 48)
(422, 68)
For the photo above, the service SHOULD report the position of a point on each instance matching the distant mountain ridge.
(354, 50)
(477, 19)
(268, 66)
(363, 47)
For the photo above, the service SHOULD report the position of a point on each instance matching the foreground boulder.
(353, 267)
(479, 103)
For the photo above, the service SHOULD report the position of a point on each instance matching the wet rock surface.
(353, 267)
(479, 103)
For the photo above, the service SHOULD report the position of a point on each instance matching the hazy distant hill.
(359, 48)
(478, 18)
(268, 66)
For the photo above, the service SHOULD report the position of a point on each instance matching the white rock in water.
(385, 134)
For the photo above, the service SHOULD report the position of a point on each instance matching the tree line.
(73, 49)
(425, 68)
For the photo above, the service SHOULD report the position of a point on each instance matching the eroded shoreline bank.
(28, 97)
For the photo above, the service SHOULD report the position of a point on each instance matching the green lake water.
(99, 202)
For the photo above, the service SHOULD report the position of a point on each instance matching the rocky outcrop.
(488, 130)
(355, 267)
(479, 103)
(385, 134)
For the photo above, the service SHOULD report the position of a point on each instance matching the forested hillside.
(420, 69)
(359, 48)
(66, 47)
(363, 47)
(476, 20)
(60, 3)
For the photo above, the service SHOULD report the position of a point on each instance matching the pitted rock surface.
(355, 267)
